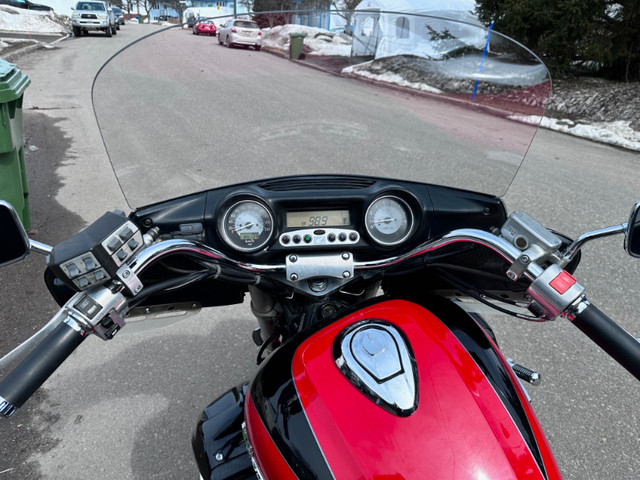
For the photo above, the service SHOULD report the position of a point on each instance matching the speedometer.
(247, 226)
(389, 220)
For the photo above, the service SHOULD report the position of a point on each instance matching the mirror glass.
(14, 243)
(632, 237)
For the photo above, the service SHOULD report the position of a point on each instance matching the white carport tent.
(380, 32)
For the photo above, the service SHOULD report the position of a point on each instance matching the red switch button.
(563, 282)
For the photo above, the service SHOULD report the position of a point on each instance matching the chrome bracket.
(129, 279)
(303, 267)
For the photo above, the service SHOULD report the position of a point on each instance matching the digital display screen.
(319, 218)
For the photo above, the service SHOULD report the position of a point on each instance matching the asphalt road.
(126, 409)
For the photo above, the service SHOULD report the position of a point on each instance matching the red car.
(204, 26)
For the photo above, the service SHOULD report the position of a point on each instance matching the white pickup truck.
(93, 15)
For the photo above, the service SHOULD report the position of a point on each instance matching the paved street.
(126, 409)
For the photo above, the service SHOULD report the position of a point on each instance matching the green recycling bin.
(13, 176)
(296, 45)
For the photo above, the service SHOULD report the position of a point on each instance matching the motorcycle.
(365, 277)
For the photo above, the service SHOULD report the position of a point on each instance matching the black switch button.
(122, 255)
(133, 244)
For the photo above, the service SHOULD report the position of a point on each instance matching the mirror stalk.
(40, 247)
(575, 247)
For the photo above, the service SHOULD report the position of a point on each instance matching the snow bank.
(317, 42)
(619, 133)
(21, 20)
(389, 78)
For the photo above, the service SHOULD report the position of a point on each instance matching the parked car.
(119, 14)
(206, 27)
(240, 32)
(93, 15)
(191, 21)
(29, 5)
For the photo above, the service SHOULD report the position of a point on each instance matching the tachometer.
(247, 226)
(389, 220)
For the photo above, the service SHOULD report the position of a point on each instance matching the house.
(379, 32)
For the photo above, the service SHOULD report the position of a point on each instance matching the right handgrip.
(38, 366)
(609, 336)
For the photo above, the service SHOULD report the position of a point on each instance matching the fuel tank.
(394, 391)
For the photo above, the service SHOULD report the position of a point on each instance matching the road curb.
(31, 48)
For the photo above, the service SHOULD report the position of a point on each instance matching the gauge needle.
(243, 227)
(386, 220)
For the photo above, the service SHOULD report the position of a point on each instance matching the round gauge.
(247, 226)
(389, 220)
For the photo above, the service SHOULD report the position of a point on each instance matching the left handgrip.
(38, 366)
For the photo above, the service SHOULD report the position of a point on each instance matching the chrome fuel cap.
(377, 359)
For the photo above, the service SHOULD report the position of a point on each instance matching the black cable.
(266, 344)
(171, 284)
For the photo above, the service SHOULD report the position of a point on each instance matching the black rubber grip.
(34, 370)
(609, 336)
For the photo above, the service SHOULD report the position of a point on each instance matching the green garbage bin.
(13, 176)
(296, 45)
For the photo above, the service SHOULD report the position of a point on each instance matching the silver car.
(89, 15)
(240, 32)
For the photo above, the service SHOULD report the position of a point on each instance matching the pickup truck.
(93, 15)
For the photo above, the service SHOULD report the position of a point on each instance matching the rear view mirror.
(632, 234)
(14, 243)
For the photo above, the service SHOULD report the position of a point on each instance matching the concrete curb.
(31, 48)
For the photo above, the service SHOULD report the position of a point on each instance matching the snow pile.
(618, 132)
(318, 41)
(389, 77)
(32, 21)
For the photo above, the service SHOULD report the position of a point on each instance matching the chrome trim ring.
(222, 226)
(375, 234)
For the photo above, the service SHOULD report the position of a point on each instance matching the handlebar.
(38, 366)
(49, 355)
(609, 336)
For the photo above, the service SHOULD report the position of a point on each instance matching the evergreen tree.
(570, 33)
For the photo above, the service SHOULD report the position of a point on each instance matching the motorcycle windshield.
(405, 96)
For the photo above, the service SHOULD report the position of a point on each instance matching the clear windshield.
(403, 96)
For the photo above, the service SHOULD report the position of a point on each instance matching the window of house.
(402, 27)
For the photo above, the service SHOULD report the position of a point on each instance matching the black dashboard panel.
(432, 212)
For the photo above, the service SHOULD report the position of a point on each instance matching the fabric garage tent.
(379, 32)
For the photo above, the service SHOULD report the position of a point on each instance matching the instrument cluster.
(369, 217)
(251, 224)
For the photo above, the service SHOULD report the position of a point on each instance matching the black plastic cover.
(219, 433)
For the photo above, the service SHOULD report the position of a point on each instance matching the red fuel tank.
(391, 393)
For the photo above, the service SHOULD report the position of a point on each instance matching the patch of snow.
(617, 132)
(318, 41)
(20, 20)
(389, 78)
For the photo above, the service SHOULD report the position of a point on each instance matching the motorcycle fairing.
(277, 400)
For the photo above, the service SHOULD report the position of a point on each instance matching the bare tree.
(345, 10)
(148, 5)
(248, 4)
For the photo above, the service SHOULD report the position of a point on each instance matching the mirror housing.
(14, 242)
(632, 233)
